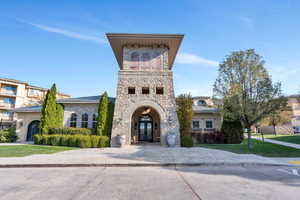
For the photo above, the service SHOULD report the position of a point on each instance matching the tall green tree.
(242, 75)
(109, 120)
(49, 113)
(185, 113)
(59, 115)
(101, 127)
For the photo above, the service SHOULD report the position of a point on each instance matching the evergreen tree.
(101, 127)
(185, 113)
(59, 115)
(111, 107)
(49, 114)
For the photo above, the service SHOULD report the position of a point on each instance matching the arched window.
(94, 120)
(84, 120)
(201, 103)
(73, 120)
(146, 61)
(135, 58)
(157, 61)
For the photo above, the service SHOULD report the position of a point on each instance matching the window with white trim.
(73, 120)
(196, 124)
(94, 121)
(209, 124)
(84, 120)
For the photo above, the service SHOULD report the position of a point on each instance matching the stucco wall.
(23, 121)
(202, 117)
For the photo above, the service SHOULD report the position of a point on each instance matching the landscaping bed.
(26, 150)
(260, 148)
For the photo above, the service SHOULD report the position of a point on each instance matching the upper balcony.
(8, 90)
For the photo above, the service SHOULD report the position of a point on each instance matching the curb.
(137, 165)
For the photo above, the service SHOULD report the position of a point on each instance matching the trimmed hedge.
(71, 131)
(187, 141)
(82, 141)
(215, 137)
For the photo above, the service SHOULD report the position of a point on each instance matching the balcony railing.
(6, 106)
(8, 93)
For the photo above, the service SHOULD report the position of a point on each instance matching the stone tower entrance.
(145, 107)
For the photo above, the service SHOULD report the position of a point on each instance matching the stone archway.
(33, 128)
(145, 125)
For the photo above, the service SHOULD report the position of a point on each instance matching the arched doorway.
(33, 129)
(145, 125)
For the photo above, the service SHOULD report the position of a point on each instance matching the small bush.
(103, 141)
(8, 135)
(71, 131)
(233, 132)
(187, 141)
(94, 141)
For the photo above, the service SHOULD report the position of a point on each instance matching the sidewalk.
(296, 146)
(141, 156)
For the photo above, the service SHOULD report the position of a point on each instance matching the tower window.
(131, 90)
(159, 90)
(145, 90)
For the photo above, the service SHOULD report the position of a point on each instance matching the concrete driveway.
(130, 183)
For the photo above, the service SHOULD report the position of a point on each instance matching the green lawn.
(26, 150)
(285, 138)
(260, 148)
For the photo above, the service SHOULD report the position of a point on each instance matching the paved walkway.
(143, 155)
(296, 146)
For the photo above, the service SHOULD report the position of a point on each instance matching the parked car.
(296, 129)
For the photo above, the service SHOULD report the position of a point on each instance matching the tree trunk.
(274, 129)
(250, 146)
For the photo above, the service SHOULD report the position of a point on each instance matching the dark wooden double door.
(145, 129)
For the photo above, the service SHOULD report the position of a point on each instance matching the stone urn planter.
(171, 140)
(121, 140)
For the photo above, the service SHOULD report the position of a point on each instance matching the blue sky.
(61, 41)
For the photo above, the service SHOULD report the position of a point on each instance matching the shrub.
(55, 140)
(37, 139)
(71, 131)
(73, 141)
(216, 137)
(94, 141)
(45, 140)
(233, 132)
(84, 141)
(8, 135)
(64, 140)
(103, 141)
(187, 141)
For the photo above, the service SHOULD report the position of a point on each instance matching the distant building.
(16, 94)
(207, 117)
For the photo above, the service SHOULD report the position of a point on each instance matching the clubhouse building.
(145, 107)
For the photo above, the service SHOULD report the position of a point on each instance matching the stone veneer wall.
(126, 104)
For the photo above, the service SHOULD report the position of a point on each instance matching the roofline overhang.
(118, 40)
